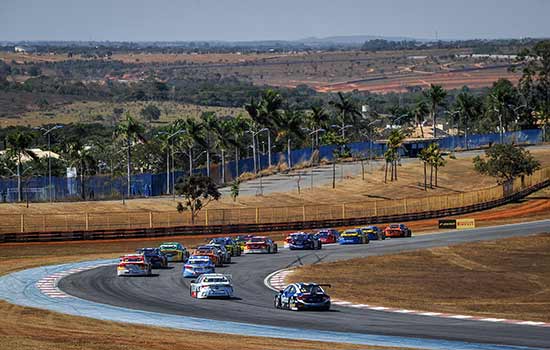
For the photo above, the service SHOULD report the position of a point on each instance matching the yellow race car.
(174, 251)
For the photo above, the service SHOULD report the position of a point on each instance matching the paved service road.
(169, 293)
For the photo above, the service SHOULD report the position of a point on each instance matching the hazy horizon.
(256, 20)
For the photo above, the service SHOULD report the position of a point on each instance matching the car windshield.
(394, 226)
(368, 228)
(169, 247)
(215, 280)
(132, 259)
(310, 288)
(351, 231)
(299, 236)
(323, 234)
(257, 239)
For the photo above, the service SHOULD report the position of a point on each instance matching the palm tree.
(424, 156)
(131, 131)
(193, 136)
(18, 147)
(270, 107)
(239, 127)
(435, 95)
(318, 119)
(346, 109)
(79, 155)
(226, 139)
(210, 124)
(437, 160)
(469, 108)
(395, 141)
(419, 112)
(291, 125)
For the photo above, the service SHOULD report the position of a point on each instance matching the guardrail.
(519, 189)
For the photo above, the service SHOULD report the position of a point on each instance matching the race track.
(168, 293)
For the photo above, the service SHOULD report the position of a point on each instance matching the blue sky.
(187, 20)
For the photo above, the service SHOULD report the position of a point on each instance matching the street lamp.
(48, 133)
(254, 134)
(451, 115)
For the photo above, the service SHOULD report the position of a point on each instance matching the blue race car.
(157, 258)
(302, 240)
(374, 233)
(197, 265)
(302, 296)
(353, 236)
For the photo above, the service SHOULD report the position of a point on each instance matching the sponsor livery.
(260, 244)
(174, 251)
(211, 285)
(397, 230)
(302, 296)
(197, 265)
(133, 265)
(353, 236)
(374, 233)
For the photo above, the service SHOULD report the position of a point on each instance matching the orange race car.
(397, 230)
(210, 252)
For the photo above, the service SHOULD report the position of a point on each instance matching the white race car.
(211, 285)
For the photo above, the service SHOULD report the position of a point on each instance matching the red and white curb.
(48, 285)
(276, 282)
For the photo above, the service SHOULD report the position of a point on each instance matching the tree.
(210, 125)
(436, 160)
(469, 108)
(226, 139)
(193, 136)
(80, 156)
(235, 189)
(18, 147)
(501, 104)
(346, 109)
(435, 95)
(318, 119)
(291, 125)
(394, 143)
(150, 113)
(506, 162)
(419, 113)
(424, 156)
(198, 191)
(131, 131)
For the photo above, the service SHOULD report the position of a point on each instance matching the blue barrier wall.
(145, 185)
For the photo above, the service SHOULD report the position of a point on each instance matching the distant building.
(23, 49)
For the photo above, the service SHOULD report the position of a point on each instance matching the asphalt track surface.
(168, 293)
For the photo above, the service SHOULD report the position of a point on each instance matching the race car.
(328, 235)
(232, 246)
(302, 240)
(302, 296)
(224, 253)
(197, 265)
(133, 265)
(241, 240)
(174, 251)
(397, 230)
(157, 258)
(211, 285)
(353, 236)
(212, 252)
(374, 233)
(260, 244)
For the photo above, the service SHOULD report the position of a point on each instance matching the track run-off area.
(92, 289)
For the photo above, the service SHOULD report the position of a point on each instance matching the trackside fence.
(96, 225)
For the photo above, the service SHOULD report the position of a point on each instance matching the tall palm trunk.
(289, 162)
(82, 192)
(433, 119)
(425, 178)
(19, 190)
(208, 160)
(223, 166)
(431, 176)
(129, 169)
(190, 161)
(386, 172)
(436, 176)
(236, 162)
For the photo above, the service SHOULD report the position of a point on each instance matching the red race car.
(328, 235)
(397, 230)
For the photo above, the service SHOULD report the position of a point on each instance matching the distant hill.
(352, 39)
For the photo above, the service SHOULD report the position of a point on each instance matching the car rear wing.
(325, 285)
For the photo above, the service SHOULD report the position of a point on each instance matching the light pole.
(48, 133)
(268, 145)
(451, 115)
(254, 134)
(371, 140)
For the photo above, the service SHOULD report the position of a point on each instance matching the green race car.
(174, 251)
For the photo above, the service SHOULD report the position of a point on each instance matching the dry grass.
(507, 278)
(102, 112)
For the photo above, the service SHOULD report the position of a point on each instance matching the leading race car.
(133, 265)
(232, 246)
(197, 265)
(328, 235)
(212, 252)
(398, 230)
(174, 251)
(374, 233)
(211, 285)
(260, 244)
(302, 296)
(157, 258)
(353, 236)
(241, 240)
(302, 240)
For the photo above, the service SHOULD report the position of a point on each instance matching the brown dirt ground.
(508, 278)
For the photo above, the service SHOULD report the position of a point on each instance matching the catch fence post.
(257, 215)
(150, 219)
(22, 220)
(206, 217)
(87, 221)
(405, 205)
(375, 209)
(343, 210)
(304, 212)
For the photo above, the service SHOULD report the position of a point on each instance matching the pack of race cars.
(201, 263)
